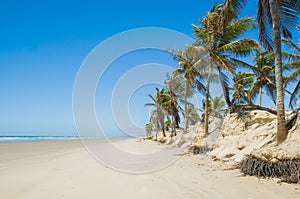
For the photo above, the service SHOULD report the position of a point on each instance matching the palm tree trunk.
(163, 130)
(173, 126)
(260, 96)
(185, 107)
(207, 101)
(157, 129)
(161, 118)
(281, 124)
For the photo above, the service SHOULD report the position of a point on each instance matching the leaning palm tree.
(275, 18)
(221, 45)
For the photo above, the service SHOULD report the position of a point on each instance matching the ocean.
(5, 139)
(34, 138)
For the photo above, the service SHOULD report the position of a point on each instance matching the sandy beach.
(64, 169)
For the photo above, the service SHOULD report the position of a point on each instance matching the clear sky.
(43, 43)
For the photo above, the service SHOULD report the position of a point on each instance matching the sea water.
(44, 138)
(34, 138)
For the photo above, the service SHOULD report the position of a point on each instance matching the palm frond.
(200, 87)
(237, 29)
(264, 19)
(293, 98)
(241, 47)
(225, 64)
(289, 16)
(271, 92)
(241, 64)
(224, 81)
(290, 43)
(153, 99)
(290, 57)
(231, 10)
(293, 76)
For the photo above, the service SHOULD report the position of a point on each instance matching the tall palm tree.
(189, 59)
(194, 68)
(179, 90)
(221, 45)
(275, 18)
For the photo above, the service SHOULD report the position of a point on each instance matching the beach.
(64, 169)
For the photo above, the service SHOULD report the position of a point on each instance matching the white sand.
(64, 169)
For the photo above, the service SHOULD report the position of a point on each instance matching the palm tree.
(264, 71)
(173, 110)
(217, 106)
(275, 17)
(155, 121)
(160, 102)
(192, 114)
(220, 45)
(149, 128)
(294, 76)
(195, 67)
(243, 83)
(203, 110)
(189, 59)
(175, 86)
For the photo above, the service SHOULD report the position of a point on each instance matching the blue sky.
(43, 44)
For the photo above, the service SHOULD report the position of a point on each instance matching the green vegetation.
(218, 56)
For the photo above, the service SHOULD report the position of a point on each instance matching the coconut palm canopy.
(275, 18)
(218, 56)
(225, 43)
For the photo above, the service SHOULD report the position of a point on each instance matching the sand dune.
(64, 169)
